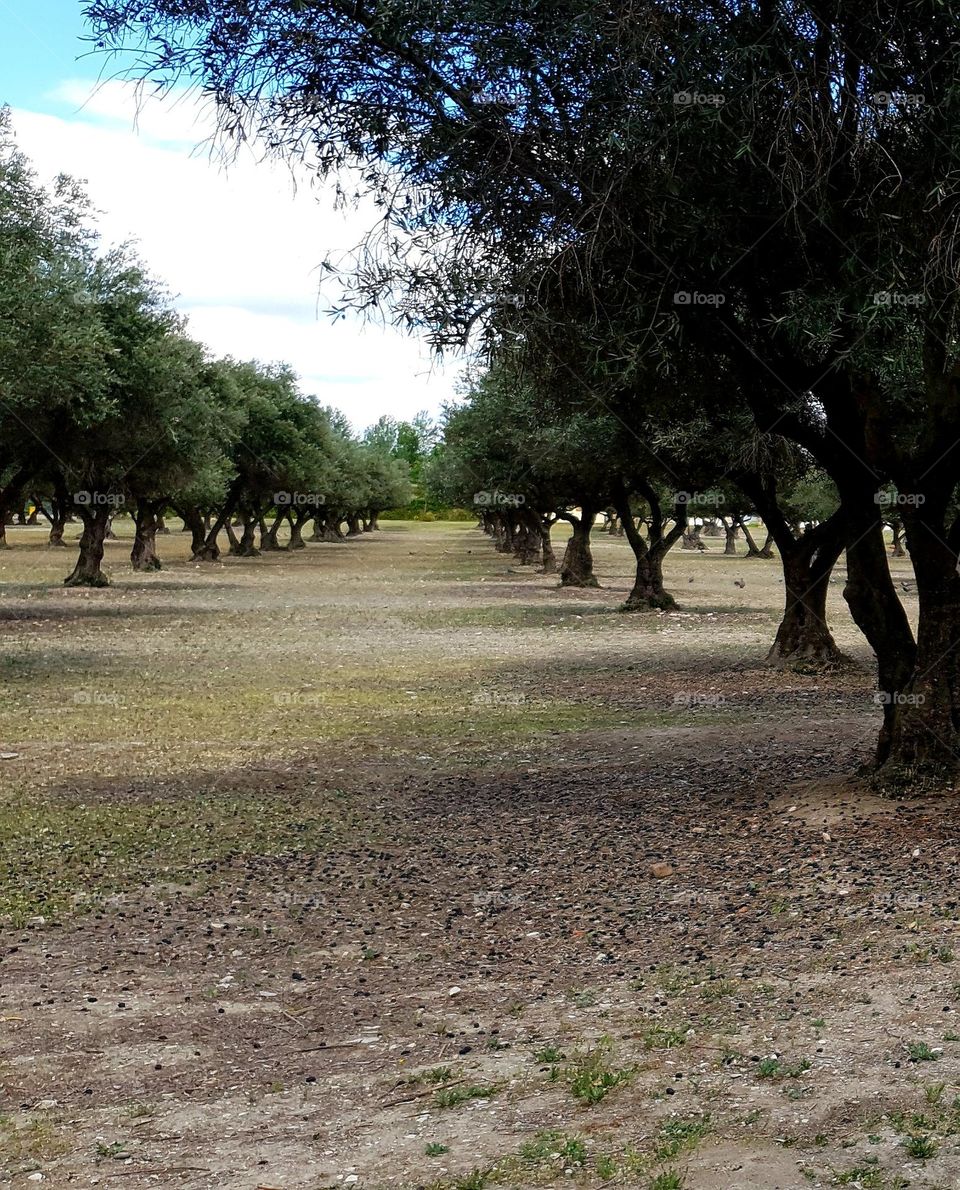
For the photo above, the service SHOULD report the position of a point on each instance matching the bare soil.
(390, 864)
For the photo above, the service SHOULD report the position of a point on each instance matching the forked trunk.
(87, 572)
(730, 537)
(353, 526)
(298, 519)
(247, 547)
(57, 516)
(330, 528)
(268, 535)
(753, 550)
(210, 550)
(648, 592)
(194, 525)
(803, 635)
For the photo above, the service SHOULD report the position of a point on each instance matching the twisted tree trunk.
(143, 555)
(576, 569)
(648, 591)
(87, 572)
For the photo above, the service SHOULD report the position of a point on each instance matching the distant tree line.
(107, 405)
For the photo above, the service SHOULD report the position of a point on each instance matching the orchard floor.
(337, 869)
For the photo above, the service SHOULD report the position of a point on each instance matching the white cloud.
(240, 246)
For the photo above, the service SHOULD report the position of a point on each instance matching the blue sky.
(40, 46)
(238, 248)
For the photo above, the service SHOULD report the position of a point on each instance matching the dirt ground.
(389, 864)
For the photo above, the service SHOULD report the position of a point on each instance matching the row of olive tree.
(107, 404)
(523, 461)
(739, 209)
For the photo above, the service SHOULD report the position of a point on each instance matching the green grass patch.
(69, 855)
(454, 1096)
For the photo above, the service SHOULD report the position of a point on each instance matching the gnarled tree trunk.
(9, 495)
(57, 516)
(193, 523)
(87, 572)
(808, 558)
(328, 528)
(268, 534)
(576, 569)
(876, 608)
(924, 738)
(143, 555)
(298, 519)
(549, 558)
(526, 542)
(648, 591)
(803, 634)
(730, 536)
(247, 546)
